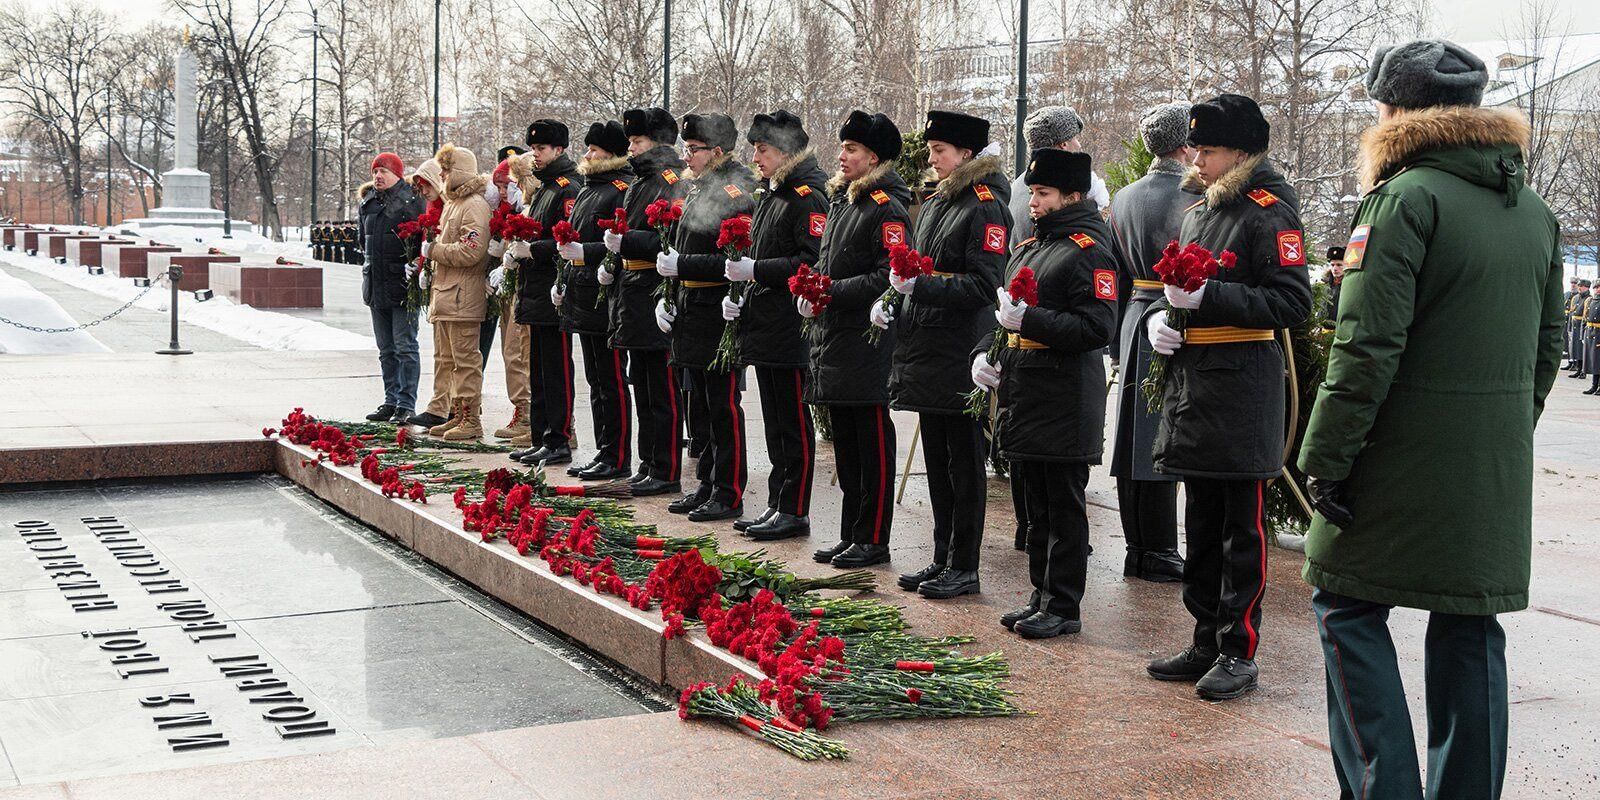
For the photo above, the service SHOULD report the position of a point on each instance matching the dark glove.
(1328, 498)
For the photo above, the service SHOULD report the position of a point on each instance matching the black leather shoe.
(575, 469)
(911, 580)
(690, 501)
(1229, 678)
(745, 524)
(950, 583)
(1130, 562)
(400, 416)
(1044, 625)
(1016, 615)
(650, 487)
(857, 556)
(826, 554)
(426, 420)
(604, 472)
(519, 455)
(384, 413)
(780, 526)
(714, 510)
(1189, 665)
(1160, 566)
(1021, 542)
(642, 474)
(551, 456)
(1593, 390)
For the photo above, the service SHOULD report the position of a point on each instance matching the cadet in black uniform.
(1567, 298)
(1580, 330)
(1223, 406)
(1591, 338)
(1051, 382)
(964, 227)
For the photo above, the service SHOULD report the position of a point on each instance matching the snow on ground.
(20, 302)
(244, 240)
(265, 329)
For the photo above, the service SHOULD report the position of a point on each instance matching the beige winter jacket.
(460, 253)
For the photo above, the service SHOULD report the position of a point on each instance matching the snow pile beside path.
(244, 240)
(20, 302)
(266, 329)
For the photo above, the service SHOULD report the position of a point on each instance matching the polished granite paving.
(380, 646)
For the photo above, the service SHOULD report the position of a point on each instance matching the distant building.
(31, 189)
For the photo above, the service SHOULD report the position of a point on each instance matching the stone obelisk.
(185, 190)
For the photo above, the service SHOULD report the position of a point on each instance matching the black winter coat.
(1052, 400)
(865, 218)
(658, 174)
(964, 228)
(604, 183)
(549, 203)
(383, 269)
(1223, 406)
(791, 215)
(726, 190)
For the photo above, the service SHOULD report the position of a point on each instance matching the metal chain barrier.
(86, 325)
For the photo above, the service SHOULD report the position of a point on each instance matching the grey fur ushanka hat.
(1426, 72)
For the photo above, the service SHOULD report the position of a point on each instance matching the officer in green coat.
(1420, 447)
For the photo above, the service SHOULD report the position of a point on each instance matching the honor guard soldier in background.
(790, 217)
(658, 174)
(1575, 321)
(1223, 403)
(1051, 381)
(1591, 337)
(722, 189)
(964, 227)
(1145, 216)
(548, 181)
(850, 375)
(606, 176)
(1570, 296)
(1334, 279)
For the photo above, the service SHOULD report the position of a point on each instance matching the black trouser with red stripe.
(952, 449)
(550, 398)
(1058, 533)
(606, 370)
(1225, 567)
(791, 438)
(657, 399)
(863, 456)
(714, 398)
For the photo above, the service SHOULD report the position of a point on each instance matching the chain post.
(174, 277)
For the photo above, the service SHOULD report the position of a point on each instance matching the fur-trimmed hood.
(363, 190)
(983, 169)
(1228, 188)
(458, 165)
(523, 173)
(429, 172)
(1417, 135)
(475, 185)
(882, 176)
(601, 166)
(789, 165)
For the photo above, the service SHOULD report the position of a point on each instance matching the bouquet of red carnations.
(563, 233)
(662, 215)
(906, 264)
(733, 239)
(412, 234)
(1024, 288)
(812, 287)
(1188, 268)
(618, 224)
(739, 703)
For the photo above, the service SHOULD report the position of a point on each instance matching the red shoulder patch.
(994, 238)
(819, 223)
(894, 233)
(1024, 243)
(561, 180)
(1262, 197)
(669, 176)
(733, 191)
(804, 190)
(1105, 284)
(567, 209)
(622, 186)
(983, 192)
(1291, 249)
(1082, 240)
(879, 196)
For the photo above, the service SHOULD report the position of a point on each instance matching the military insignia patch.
(1291, 249)
(983, 192)
(1262, 197)
(669, 176)
(803, 190)
(1105, 284)
(1357, 247)
(733, 191)
(994, 238)
(1082, 240)
(561, 180)
(470, 240)
(879, 196)
(819, 223)
(894, 233)
(622, 186)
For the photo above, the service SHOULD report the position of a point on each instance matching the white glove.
(731, 309)
(667, 264)
(804, 306)
(556, 296)
(1179, 298)
(497, 276)
(881, 315)
(425, 280)
(613, 242)
(664, 317)
(497, 248)
(985, 374)
(1164, 339)
(521, 250)
(427, 245)
(411, 269)
(508, 260)
(605, 276)
(571, 251)
(740, 269)
(902, 286)
(1009, 313)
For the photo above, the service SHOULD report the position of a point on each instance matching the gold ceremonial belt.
(1144, 284)
(1225, 334)
(577, 262)
(634, 265)
(1594, 324)
(702, 284)
(1018, 342)
(938, 274)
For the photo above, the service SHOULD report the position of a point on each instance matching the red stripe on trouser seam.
(738, 435)
(1349, 710)
(622, 407)
(805, 445)
(1261, 535)
(677, 427)
(882, 489)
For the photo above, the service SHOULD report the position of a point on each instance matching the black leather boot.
(950, 583)
(826, 554)
(650, 487)
(384, 413)
(1160, 566)
(1229, 678)
(911, 580)
(577, 469)
(745, 524)
(857, 556)
(1189, 665)
(690, 501)
(1044, 625)
(603, 472)
(714, 510)
(549, 456)
(1016, 615)
(780, 526)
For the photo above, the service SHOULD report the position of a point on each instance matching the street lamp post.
(1022, 82)
(316, 80)
(227, 183)
(666, 56)
(436, 7)
(108, 155)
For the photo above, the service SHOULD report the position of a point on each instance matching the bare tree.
(143, 105)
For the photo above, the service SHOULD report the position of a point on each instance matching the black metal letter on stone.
(297, 730)
(182, 720)
(197, 742)
(160, 700)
